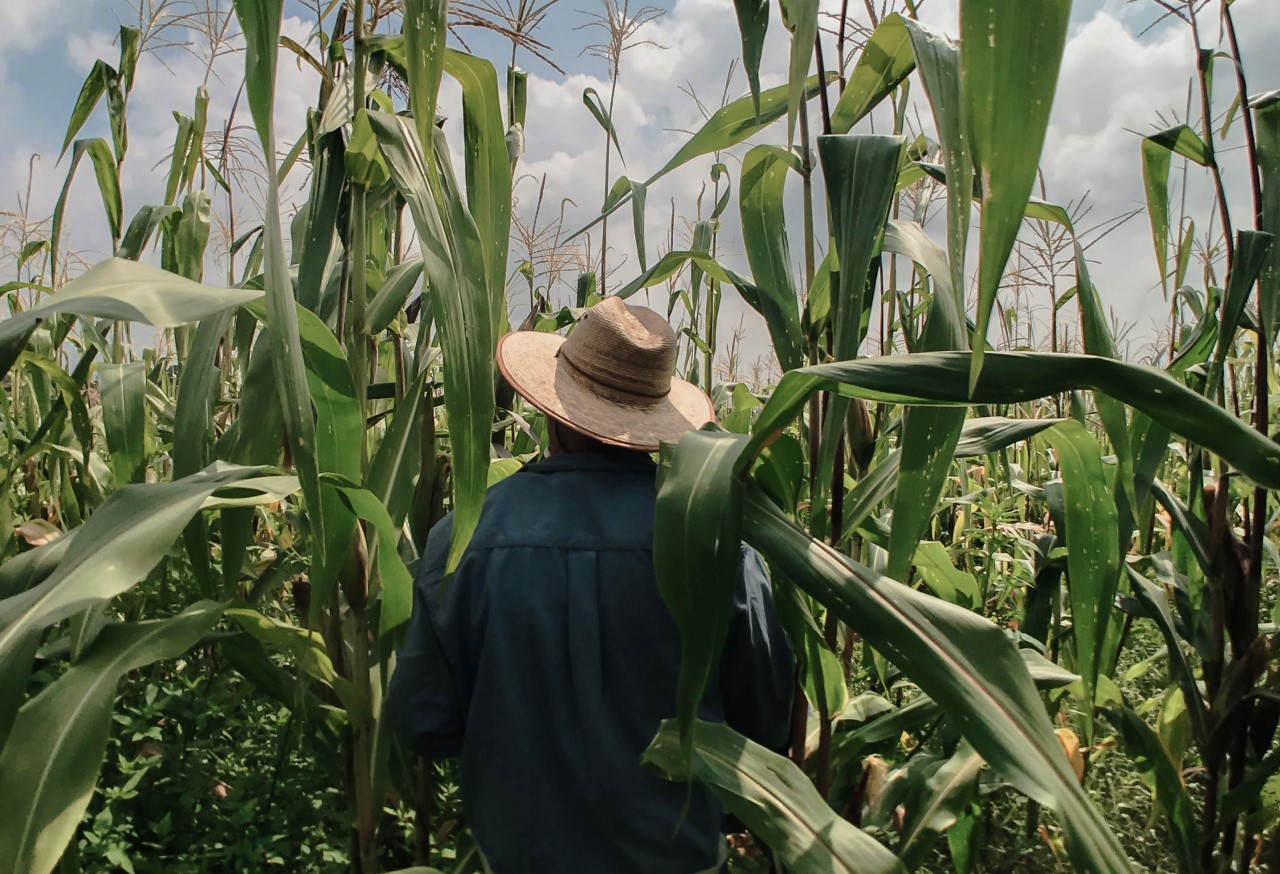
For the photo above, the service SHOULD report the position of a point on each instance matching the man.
(548, 659)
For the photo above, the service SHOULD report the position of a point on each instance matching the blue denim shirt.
(548, 660)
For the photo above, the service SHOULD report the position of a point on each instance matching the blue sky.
(1113, 83)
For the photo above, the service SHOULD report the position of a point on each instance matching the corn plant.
(964, 540)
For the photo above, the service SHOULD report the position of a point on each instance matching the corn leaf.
(884, 62)
(773, 798)
(64, 732)
(1010, 53)
(764, 233)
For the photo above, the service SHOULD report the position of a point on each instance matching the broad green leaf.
(1093, 551)
(395, 465)
(130, 292)
(802, 20)
(1010, 53)
(126, 537)
(487, 170)
(1252, 248)
(141, 229)
(104, 168)
(764, 233)
(884, 62)
(696, 555)
(1183, 141)
(591, 100)
(1158, 771)
(1266, 113)
(455, 269)
(396, 584)
(391, 297)
(260, 22)
(625, 187)
(123, 389)
(939, 63)
(962, 661)
(308, 651)
(753, 24)
(860, 172)
(727, 126)
(198, 389)
(939, 378)
(945, 580)
(95, 85)
(929, 436)
(64, 732)
(425, 23)
(1156, 161)
(317, 243)
(1156, 604)
(772, 797)
(941, 801)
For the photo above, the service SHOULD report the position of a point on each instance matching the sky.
(1117, 82)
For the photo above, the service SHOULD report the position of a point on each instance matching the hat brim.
(529, 362)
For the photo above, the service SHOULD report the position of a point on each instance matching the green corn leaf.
(1266, 113)
(260, 22)
(727, 126)
(328, 176)
(1184, 141)
(1010, 53)
(95, 85)
(591, 100)
(1156, 161)
(753, 24)
(104, 168)
(764, 233)
(882, 65)
(391, 297)
(461, 306)
(635, 191)
(802, 20)
(860, 174)
(141, 229)
(961, 660)
(487, 170)
(939, 803)
(126, 537)
(772, 797)
(64, 732)
(425, 23)
(396, 584)
(1252, 248)
(395, 465)
(1158, 771)
(936, 378)
(1093, 551)
(945, 580)
(696, 553)
(123, 388)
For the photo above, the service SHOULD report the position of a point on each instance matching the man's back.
(548, 661)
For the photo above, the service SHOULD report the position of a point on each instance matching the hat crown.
(630, 349)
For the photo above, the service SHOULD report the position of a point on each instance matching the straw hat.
(611, 379)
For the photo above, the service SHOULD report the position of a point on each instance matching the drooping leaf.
(961, 660)
(391, 297)
(935, 378)
(126, 537)
(1184, 141)
(696, 547)
(1156, 161)
(95, 85)
(764, 234)
(773, 798)
(1252, 248)
(884, 62)
(938, 805)
(1266, 113)
(64, 732)
(591, 100)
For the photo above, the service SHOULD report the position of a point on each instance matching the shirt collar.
(606, 460)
